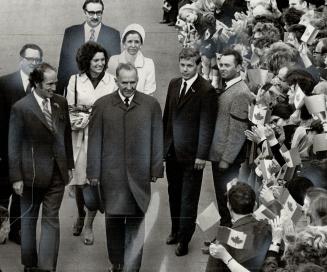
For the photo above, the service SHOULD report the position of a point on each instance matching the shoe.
(88, 237)
(181, 249)
(172, 24)
(172, 239)
(78, 226)
(164, 22)
(15, 237)
(116, 268)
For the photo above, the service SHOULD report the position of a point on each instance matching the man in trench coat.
(125, 153)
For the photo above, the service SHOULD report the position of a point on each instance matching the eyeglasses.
(92, 13)
(316, 53)
(36, 60)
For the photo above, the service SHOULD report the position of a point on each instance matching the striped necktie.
(47, 113)
(92, 37)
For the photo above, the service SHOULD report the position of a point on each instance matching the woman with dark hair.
(83, 90)
(133, 39)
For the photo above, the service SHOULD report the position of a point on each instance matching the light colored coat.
(86, 95)
(145, 70)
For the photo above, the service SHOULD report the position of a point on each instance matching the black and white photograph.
(163, 136)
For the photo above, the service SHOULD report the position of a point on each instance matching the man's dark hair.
(317, 3)
(188, 53)
(30, 46)
(324, 45)
(241, 198)
(232, 52)
(298, 31)
(125, 66)
(298, 187)
(92, 1)
(292, 16)
(301, 77)
(37, 75)
(86, 53)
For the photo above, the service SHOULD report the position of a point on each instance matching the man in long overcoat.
(125, 153)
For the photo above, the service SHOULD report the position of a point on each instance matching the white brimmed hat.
(135, 27)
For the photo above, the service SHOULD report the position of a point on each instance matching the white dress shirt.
(87, 31)
(124, 97)
(189, 83)
(40, 99)
(24, 79)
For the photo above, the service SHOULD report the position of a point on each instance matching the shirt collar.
(40, 99)
(233, 81)
(105, 79)
(189, 82)
(88, 28)
(123, 97)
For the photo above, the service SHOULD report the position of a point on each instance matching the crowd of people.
(250, 98)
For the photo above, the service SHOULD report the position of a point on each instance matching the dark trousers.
(125, 239)
(6, 191)
(184, 186)
(50, 198)
(220, 179)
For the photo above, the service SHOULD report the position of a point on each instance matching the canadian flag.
(290, 207)
(233, 238)
(299, 97)
(291, 157)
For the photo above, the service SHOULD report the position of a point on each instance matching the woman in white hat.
(132, 40)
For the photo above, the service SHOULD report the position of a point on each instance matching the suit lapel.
(55, 114)
(177, 90)
(118, 102)
(37, 110)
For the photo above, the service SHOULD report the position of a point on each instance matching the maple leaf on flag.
(290, 206)
(258, 116)
(237, 240)
(273, 169)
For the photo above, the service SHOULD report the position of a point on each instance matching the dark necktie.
(28, 89)
(181, 96)
(47, 113)
(126, 102)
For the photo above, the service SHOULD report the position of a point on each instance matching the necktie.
(92, 37)
(181, 96)
(28, 88)
(126, 101)
(47, 113)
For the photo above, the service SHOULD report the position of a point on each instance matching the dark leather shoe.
(172, 24)
(164, 22)
(172, 239)
(181, 249)
(116, 268)
(29, 269)
(15, 237)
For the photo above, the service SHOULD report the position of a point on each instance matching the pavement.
(43, 22)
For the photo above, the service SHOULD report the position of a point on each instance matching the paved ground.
(43, 22)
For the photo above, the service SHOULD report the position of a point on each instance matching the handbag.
(79, 114)
(93, 197)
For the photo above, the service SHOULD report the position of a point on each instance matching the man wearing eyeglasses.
(92, 29)
(13, 87)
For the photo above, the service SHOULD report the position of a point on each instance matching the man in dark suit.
(76, 35)
(40, 165)
(189, 119)
(125, 153)
(12, 88)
